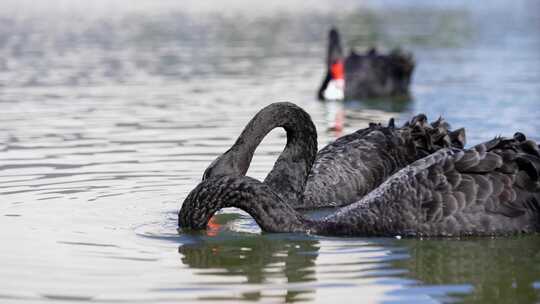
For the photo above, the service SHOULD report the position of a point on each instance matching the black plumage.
(343, 171)
(490, 189)
(348, 168)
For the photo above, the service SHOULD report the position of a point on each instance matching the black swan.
(367, 75)
(343, 171)
(490, 189)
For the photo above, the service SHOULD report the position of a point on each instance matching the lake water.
(111, 110)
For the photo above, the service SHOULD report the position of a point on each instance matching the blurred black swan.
(343, 171)
(490, 189)
(367, 75)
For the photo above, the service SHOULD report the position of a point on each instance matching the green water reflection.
(258, 259)
(502, 270)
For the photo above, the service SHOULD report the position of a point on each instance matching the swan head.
(244, 192)
(217, 167)
(226, 164)
(335, 88)
(335, 52)
(199, 206)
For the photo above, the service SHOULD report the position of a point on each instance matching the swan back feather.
(490, 189)
(353, 165)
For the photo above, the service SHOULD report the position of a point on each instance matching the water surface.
(110, 111)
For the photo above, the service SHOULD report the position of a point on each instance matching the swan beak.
(336, 86)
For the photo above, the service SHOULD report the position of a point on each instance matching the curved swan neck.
(246, 193)
(290, 171)
(296, 122)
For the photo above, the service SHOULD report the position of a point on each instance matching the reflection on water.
(475, 270)
(111, 110)
(261, 260)
(388, 105)
(295, 268)
(335, 116)
(500, 270)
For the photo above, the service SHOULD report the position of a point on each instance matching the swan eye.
(210, 170)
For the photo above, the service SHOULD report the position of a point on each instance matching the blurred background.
(111, 110)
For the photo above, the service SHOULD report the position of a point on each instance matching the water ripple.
(111, 112)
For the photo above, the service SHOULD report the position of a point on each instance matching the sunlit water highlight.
(110, 111)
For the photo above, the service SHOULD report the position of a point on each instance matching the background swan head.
(365, 75)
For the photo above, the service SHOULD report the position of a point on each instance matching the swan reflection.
(259, 259)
